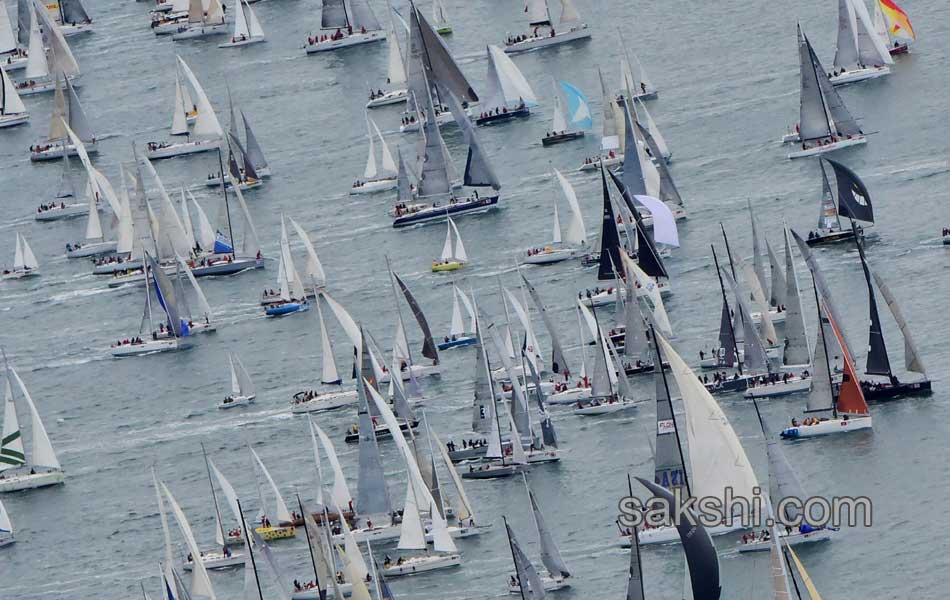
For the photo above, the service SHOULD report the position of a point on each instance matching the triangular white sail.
(253, 24)
(12, 453)
(283, 515)
(10, 102)
(7, 39)
(388, 164)
(203, 305)
(507, 85)
(369, 172)
(458, 326)
(36, 65)
(245, 385)
(576, 232)
(396, 69)
(207, 122)
(459, 250)
(559, 123)
(315, 272)
(556, 232)
(653, 129)
(200, 582)
(235, 384)
(43, 454)
(340, 493)
(180, 114)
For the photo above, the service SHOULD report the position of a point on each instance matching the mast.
(250, 550)
(392, 282)
(511, 547)
(722, 288)
(877, 360)
(824, 345)
(669, 398)
(227, 208)
(600, 342)
(148, 296)
(214, 497)
(313, 559)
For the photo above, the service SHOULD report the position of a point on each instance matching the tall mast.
(214, 497)
(392, 282)
(250, 551)
(227, 208)
(511, 546)
(722, 288)
(600, 342)
(313, 560)
(821, 334)
(669, 398)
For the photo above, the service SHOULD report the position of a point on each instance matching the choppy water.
(728, 84)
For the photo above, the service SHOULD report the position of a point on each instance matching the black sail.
(648, 257)
(428, 346)
(877, 362)
(854, 200)
(609, 237)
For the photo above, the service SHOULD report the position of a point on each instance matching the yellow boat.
(447, 265)
(276, 533)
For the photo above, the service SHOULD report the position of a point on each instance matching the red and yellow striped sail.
(898, 25)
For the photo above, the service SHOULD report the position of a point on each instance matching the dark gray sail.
(777, 286)
(700, 552)
(428, 345)
(813, 115)
(548, 434)
(334, 15)
(827, 210)
(669, 470)
(403, 184)
(796, 338)
(754, 354)
(840, 118)
(877, 361)
(782, 480)
(550, 554)
(478, 171)
(531, 586)
(854, 200)
(648, 257)
(430, 57)
(668, 189)
(249, 171)
(432, 163)
(73, 11)
(609, 236)
(372, 496)
(76, 118)
(912, 360)
(633, 179)
(635, 572)
(254, 152)
(165, 292)
(484, 386)
(519, 405)
(727, 338)
(558, 362)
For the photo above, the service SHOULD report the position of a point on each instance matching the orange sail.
(898, 25)
(850, 395)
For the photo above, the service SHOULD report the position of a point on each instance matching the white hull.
(390, 533)
(14, 63)
(55, 214)
(235, 401)
(421, 564)
(605, 408)
(216, 560)
(546, 387)
(324, 402)
(537, 457)
(443, 118)
(830, 147)
(828, 427)
(549, 256)
(354, 39)
(245, 42)
(668, 535)
(94, 249)
(609, 297)
(71, 29)
(39, 87)
(418, 371)
(14, 119)
(20, 274)
(191, 33)
(569, 396)
(313, 594)
(181, 149)
(54, 151)
(608, 161)
(113, 267)
(794, 539)
(150, 347)
(712, 362)
(547, 41)
(859, 75)
(26, 481)
(794, 385)
(549, 584)
(391, 97)
(373, 186)
(774, 315)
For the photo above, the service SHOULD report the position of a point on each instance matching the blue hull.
(441, 212)
(457, 343)
(286, 309)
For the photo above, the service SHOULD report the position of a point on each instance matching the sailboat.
(247, 29)
(829, 229)
(22, 470)
(892, 26)
(63, 205)
(610, 390)
(453, 255)
(544, 34)
(242, 388)
(284, 528)
(207, 130)
(573, 244)
(611, 133)
(409, 368)
(825, 124)
(49, 55)
(94, 243)
(571, 115)
(66, 108)
(459, 334)
(633, 77)
(353, 23)
(293, 297)
(846, 401)
(509, 94)
(12, 56)
(6, 527)
(12, 110)
(373, 180)
(440, 18)
(24, 262)
(205, 18)
(70, 16)
(178, 329)
(860, 53)
(396, 79)
(559, 575)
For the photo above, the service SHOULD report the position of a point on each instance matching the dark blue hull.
(457, 343)
(279, 310)
(439, 213)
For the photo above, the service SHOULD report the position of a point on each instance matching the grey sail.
(403, 184)
(877, 361)
(669, 470)
(334, 14)
(821, 397)
(484, 387)
(635, 345)
(531, 586)
(183, 593)
(600, 379)
(254, 152)
(165, 292)
(754, 355)
(633, 179)
(700, 552)
(813, 116)
(478, 171)
(372, 496)
(841, 118)
(430, 57)
(783, 481)
(727, 338)
(635, 572)
(548, 433)
(854, 200)
(558, 362)
(432, 163)
(362, 16)
(428, 345)
(846, 47)
(823, 290)
(519, 406)
(78, 121)
(249, 171)
(827, 211)
(912, 360)
(796, 338)
(23, 8)
(550, 554)
(401, 407)
(757, 266)
(73, 11)
(778, 286)
(668, 190)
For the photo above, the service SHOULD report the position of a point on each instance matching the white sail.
(512, 87)
(245, 384)
(315, 447)
(467, 512)
(29, 259)
(185, 218)
(235, 384)
(43, 454)
(660, 318)
(369, 172)
(340, 493)
(870, 46)
(63, 61)
(560, 119)
(93, 225)
(205, 235)
(229, 494)
(355, 565)
(7, 39)
(10, 104)
(412, 534)
(346, 321)
(12, 453)
(396, 71)
(207, 122)
(576, 232)
(518, 455)
(200, 583)
(294, 284)
(447, 245)
(534, 353)
(717, 459)
(315, 272)
(253, 24)
(556, 232)
(36, 65)
(240, 20)
(569, 14)
(458, 326)
(330, 374)
(459, 251)
(283, 515)
(5, 525)
(538, 12)
(180, 114)
(880, 26)
(388, 164)
(653, 129)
